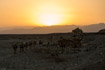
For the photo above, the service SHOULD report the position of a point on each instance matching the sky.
(51, 12)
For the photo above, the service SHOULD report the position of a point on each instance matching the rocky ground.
(89, 57)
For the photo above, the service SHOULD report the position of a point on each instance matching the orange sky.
(51, 12)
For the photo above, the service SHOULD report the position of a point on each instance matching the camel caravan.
(23, 46)
(75, 41)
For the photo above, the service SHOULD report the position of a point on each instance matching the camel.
(64, 43)
(69, 43)
(15, 48)
(25, 44)
(34, 43)
(21, 47)
(40, 42)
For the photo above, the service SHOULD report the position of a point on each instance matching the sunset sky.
(51, 12)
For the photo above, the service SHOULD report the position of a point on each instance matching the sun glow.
(49, 19)
(49, 14)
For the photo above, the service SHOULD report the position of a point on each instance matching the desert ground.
(91, 56)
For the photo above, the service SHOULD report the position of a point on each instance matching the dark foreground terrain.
(91, 56)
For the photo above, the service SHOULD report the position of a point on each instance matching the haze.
(51, 12)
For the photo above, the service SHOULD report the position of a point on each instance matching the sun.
(49, 14)
(49, 19)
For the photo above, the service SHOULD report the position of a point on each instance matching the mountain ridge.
(53, 29)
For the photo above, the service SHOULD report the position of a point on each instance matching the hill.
(52, 29)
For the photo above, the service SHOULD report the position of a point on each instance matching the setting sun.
(49, 19)
(49, 14)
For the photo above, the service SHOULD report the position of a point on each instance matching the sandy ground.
(89, 57)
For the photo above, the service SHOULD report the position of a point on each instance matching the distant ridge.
(53, 29)
(93, 27)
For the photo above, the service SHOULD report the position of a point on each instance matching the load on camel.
(77, 33)
(73, 42)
